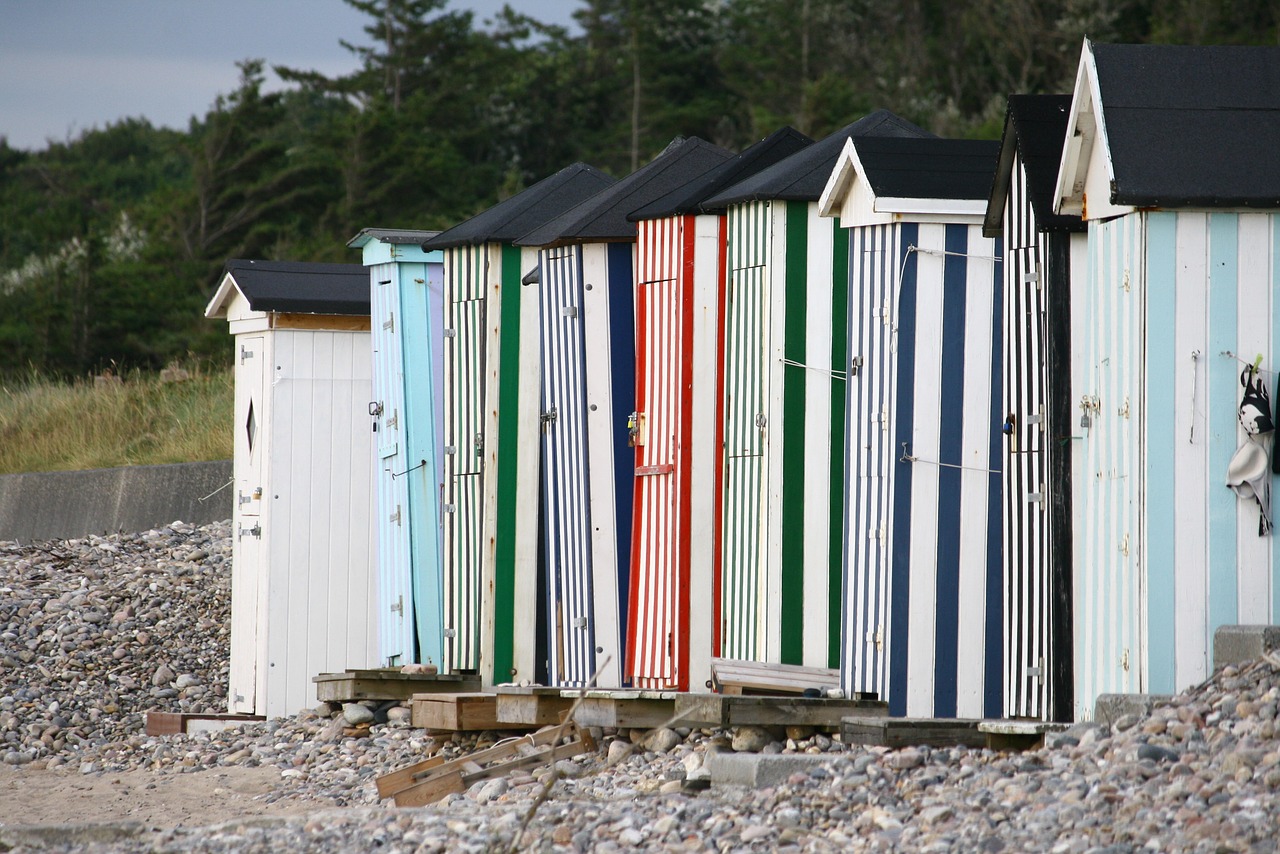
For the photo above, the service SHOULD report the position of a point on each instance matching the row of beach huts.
(953, 417)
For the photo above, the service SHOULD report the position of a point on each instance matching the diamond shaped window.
(251, 426)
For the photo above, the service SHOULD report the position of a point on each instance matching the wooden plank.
(389, 784)
(470, 711)
(613, 712)
(388, 685)
(725, 711)
(173, 723)
(740, 677)
(912, 732)
(531, 709)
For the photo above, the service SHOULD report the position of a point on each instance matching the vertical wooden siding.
(250, 431)
(321, 594)
(937, 650)
(465, 341)
(391, 519)
(1110, 621)
(1168, 294)
(658, 602)
(746, 343)
(565, 476)
(1027, 607)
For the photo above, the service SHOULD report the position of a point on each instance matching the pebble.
(1199, 773)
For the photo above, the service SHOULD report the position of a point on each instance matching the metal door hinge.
(255, 531)
(390, 323)
(395, 517)
(245, 353)
(398, 605)
(579, 622)
(450, 333)
(450, 633)
(569, 311)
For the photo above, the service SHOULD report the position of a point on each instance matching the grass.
(137, 419)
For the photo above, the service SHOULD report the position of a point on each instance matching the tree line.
(111, 243)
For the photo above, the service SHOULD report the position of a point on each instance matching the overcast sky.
(69, 65)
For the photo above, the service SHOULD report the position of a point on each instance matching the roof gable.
(603, 216)
(803, 175)
(526, 210)
(877, 180)
(1035, 128)
(1178, 126)
(293, 286)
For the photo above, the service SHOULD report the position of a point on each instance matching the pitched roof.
(1035, 128)
(303, 287)
(603, 217)
(526, 210)
(928, 168)
(775, 147)
(803, 175)
(1191, 126)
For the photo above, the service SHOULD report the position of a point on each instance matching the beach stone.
(751, 739)
(357, 713)
(661, 740)
(163, 676)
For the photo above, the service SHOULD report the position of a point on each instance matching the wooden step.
(457, 712)
(721, 710)
(633, 709)
(912, 732)
(531, 706)
(388, 684)
(1017, 734)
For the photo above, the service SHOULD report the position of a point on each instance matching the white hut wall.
(518, 481)
(250, 434)
(321, 610)
(930, 641)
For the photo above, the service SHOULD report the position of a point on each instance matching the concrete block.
(1109, 708)
(1234, 644)
(759, 770)
(70, 504)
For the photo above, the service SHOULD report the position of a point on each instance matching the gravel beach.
(94, 632)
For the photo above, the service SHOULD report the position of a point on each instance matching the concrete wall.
(61, 505)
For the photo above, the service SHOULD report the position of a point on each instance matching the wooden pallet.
(730, 676)
(722, 710)
(531, 706)
(912, 732)
(388, 684)
(430, 780)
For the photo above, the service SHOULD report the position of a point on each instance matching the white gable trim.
(1086, 173)
(227, 291)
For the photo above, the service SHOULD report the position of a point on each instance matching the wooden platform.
(636, 709)
(1017, 734)
(531, 706)
(731, 676)
(388, 684)
(172, 723)
(458, 712)
(912, 732)
(721, 710)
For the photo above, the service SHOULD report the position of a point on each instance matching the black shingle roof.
(803, 175)
(1035, 129)
(928, 168)
(303, 287)
(1192, 126)
(776, 147)
(526, 210)
(603, 217)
